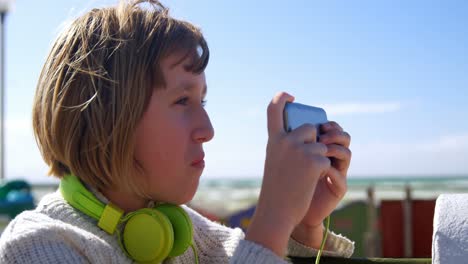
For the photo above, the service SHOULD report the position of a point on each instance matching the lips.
(199, 160)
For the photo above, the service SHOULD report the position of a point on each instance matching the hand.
(330, 189)
(294, 164)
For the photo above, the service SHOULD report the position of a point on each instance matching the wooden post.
(407, 221)
(372, 247)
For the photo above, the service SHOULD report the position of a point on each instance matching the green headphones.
(149, 235)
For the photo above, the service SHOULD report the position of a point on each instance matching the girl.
(119, 117)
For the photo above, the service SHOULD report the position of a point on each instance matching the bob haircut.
(96, 84)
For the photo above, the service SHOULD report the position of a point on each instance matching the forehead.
(178, 78)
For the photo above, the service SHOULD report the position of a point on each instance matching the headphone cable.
(322, 246)
(194, 253)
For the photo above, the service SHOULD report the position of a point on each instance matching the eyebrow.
(188, 87)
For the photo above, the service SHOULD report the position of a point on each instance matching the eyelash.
(183, 101)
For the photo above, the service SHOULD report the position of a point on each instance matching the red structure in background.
(392, 227)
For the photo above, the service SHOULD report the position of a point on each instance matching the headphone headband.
(149, 235)
(79, 197)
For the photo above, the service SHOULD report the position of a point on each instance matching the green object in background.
(9, 186)
(334, 260)
(15, 197)
(351, 221)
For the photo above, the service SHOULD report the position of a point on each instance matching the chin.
(187, 196)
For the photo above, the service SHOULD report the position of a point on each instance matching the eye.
(182, 101)
(185, 100)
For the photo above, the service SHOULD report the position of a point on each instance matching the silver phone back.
(296, 114)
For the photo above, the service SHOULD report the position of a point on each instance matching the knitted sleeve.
(336, 246)
(250, 252)
(216, 243)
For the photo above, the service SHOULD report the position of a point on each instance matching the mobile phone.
(295, 115)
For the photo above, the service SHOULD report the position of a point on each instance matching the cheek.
(172, 136)
(162, 146)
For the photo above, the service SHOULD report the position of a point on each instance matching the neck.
(124, 200)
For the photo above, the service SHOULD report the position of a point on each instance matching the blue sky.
(392, 73)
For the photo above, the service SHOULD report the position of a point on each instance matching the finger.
(275, 113)
(336, 137)
(331, 125)
(339, 152)
(340, 157)
(316, 149)
(306, 133)
(336, 182)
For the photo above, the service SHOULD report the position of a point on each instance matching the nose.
(204, 131)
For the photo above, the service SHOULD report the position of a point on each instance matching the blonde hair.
(96, 84)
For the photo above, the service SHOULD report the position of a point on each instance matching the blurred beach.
(375, 212)
(225, 196)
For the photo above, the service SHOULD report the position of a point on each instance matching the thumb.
(275, 113)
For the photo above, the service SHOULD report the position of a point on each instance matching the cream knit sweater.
(55, 232)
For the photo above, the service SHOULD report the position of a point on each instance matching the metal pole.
(2, 101)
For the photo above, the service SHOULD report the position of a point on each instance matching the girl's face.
(171, 133)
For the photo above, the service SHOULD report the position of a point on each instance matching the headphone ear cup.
(148, 236)
(182, 226)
